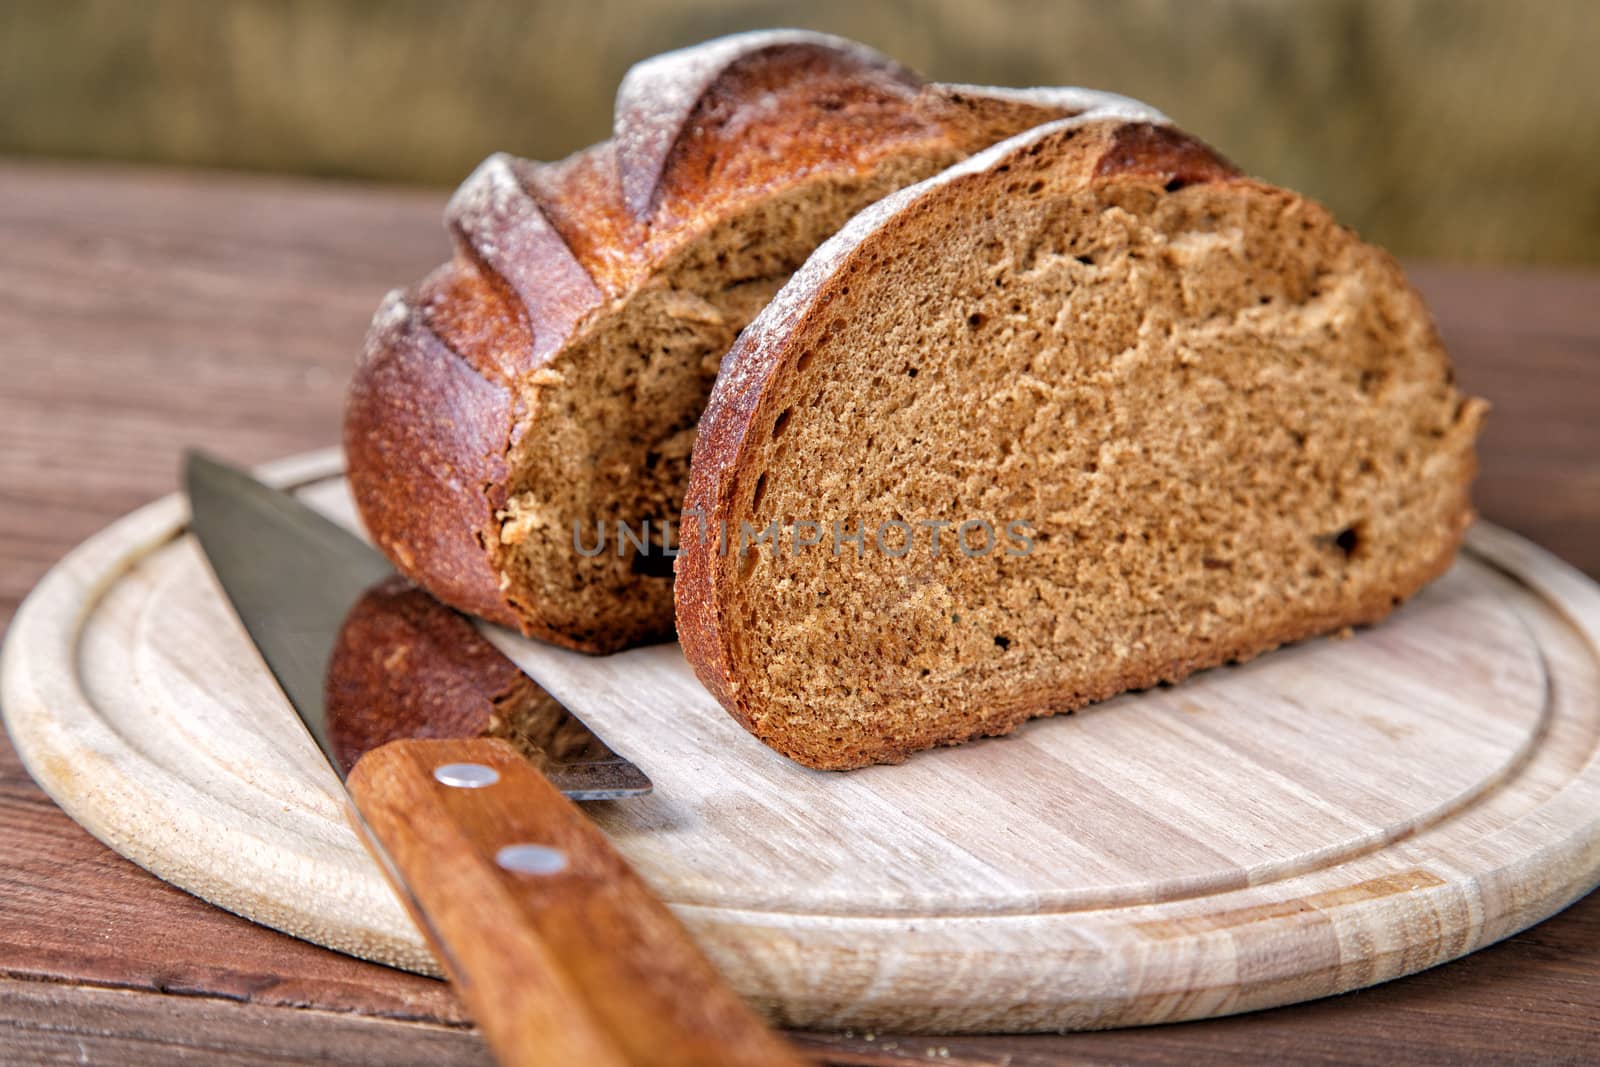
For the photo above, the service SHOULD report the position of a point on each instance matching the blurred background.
(1455, 130)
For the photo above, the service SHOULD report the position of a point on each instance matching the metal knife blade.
(293, 576)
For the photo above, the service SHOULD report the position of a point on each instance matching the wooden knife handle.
(563, 955)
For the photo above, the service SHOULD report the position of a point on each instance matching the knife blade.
(560, 950)
(295, 578)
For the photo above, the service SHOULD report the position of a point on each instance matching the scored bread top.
(449, 380)
(658, 97)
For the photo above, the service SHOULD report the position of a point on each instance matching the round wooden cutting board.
(1325, 817)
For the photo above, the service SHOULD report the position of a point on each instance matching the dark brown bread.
(406, 666)
(1225, 422)
(553, 373)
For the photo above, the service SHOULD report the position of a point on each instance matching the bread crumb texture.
(1229, 423)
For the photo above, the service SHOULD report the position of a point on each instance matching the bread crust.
(406, 666)
(440, 398)
(765, 360)
(425, 438)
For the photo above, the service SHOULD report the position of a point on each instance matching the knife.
(561, 952)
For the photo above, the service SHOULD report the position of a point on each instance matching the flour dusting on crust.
(1066, 98)
(658, 95)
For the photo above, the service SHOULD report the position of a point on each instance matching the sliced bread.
(514, 408)
(1164, 417)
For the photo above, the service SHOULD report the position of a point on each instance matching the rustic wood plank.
(47, 1023)
(73, 911)
(132, 268)
(142, 311)
(125, 335)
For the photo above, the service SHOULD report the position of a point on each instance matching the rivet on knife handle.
(562, 953)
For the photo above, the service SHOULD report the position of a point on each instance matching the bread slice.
(552, 374)
(1224, 422)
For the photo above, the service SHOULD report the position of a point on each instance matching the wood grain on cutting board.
(1332, 815)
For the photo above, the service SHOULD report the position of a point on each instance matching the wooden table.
(143, 311)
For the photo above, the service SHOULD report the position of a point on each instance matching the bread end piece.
(405, 666)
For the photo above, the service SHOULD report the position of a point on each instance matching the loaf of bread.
(1164, 416)
(544, 386)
